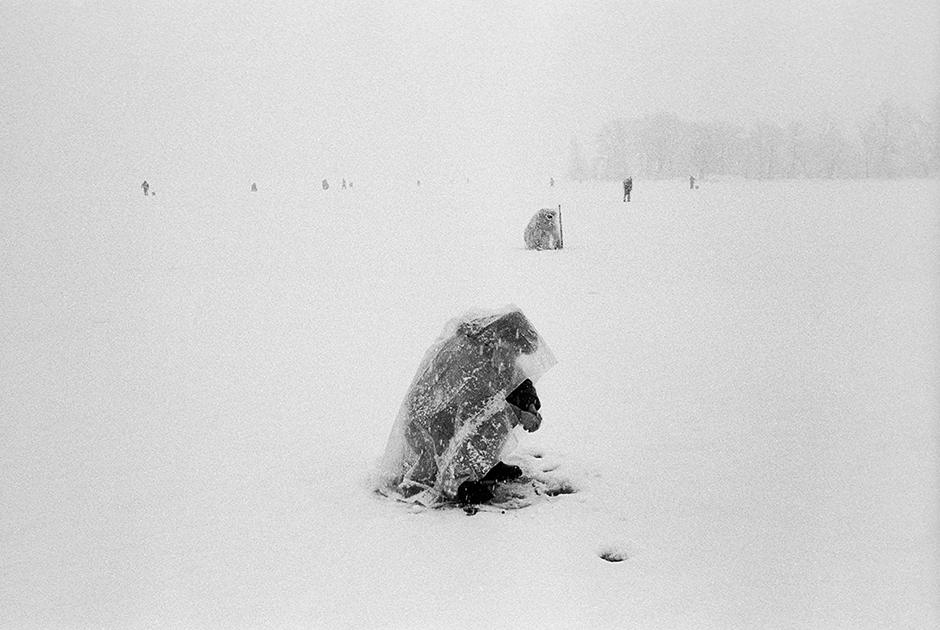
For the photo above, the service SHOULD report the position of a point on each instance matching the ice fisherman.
(344, 183)
(551, 182)
(627, 187)
(474, 386)
(146, 188)
(691, 182)
(254, 187)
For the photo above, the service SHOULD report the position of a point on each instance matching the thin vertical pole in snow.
(561, 232)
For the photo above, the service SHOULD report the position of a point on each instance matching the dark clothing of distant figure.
(627, 187)
(146, 187)
(326, 185)
(691, 182)
(551, 182)
(254, 187)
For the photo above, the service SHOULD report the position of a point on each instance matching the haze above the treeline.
(104, 91)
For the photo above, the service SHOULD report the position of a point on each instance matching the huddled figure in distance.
(544, 230)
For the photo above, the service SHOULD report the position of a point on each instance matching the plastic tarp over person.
(544, 230)
(455, 423)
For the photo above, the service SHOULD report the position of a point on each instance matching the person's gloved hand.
(526, 403)
(530, 418)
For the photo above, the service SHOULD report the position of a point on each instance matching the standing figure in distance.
(254, 187)
(691, 182)
(627, 187)
(146, 187)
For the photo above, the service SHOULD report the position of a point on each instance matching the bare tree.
(913, 142)
(616, 153)
(887, 121)
(765, 149)
(896, 140)
(868, 135)
(933, 131)
(577, 166)
(832, 149)
(661, 139)
(702, 154)
(797, 144)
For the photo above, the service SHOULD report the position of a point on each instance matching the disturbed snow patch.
(614, 553)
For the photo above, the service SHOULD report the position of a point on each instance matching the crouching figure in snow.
(544, 230)
(473, 388)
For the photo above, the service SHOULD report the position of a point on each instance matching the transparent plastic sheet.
(544, 230)
(454, 423)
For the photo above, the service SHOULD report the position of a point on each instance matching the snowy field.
(196, 388)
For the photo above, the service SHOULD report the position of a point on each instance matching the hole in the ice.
(537, 455)
(612, 555)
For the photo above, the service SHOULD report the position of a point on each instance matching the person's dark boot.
(474, 492)
(503, 472)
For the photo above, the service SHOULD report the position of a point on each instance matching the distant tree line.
(894, 141)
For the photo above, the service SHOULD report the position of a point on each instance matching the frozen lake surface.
(196, 388)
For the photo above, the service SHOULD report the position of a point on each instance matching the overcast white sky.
(113, 89)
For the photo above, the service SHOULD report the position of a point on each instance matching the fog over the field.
(101, 90)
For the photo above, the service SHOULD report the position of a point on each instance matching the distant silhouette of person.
(350, 183)
(146, 188)
(254, 187)
(691, 182)
(326, 185)
(419, 183)
(551, 182)
(344, 183)
(627, 187)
